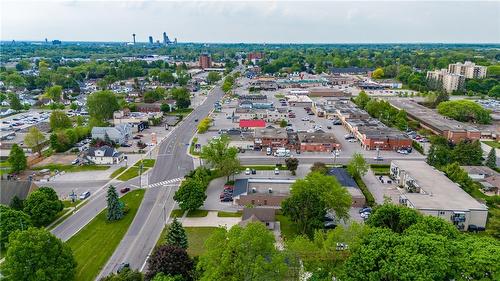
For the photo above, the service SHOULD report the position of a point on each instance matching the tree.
(166, 77)
(154, 95)
(101, 105)
(494, 92)
(396, 218)
(292, 164)
(378, 73)
(468, 153)
(16, 203)
(357, 166)
(190, 195)
(124, 275)
(283, 123)
(204, 125)
(491, 160)
(465, 111)
(213, 77)
(34, 139)
(220, 156)
(59, 120)
(312, 197)
(170, 260)
(37, 255)
(181, 97)
(242, 253)
(42, 206)
(54, 93)
(319, 167)
(176, 235)
(162, 277)
(17, 159)
(115, 207)
(12, 220)
(362, 99)
(15, 102)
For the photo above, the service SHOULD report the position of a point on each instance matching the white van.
(269, 151)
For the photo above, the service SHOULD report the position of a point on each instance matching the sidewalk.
(211, 220)
(379, 190)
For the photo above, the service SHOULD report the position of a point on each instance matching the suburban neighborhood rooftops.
(108, 151)
(316, 137)
(11, 188)
(252, 124)
(271, 132)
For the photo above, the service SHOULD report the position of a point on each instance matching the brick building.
(205, 61)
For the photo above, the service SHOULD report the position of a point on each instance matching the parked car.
(125, 145)
(195, 120)
(330, 225)
(276, 171)
(125, 190)
(254, 172)
(122, 267)
(378, 158)
(76, 161)
(247, 171)
(365, 210)
(84, 195)
(227, 199)
(402, 151)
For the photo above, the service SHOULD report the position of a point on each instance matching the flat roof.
(437, 191)
(430, 117)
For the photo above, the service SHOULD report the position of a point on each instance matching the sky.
(253, 22)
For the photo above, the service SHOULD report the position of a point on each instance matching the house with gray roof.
(12, 188)
(118, 134)
(104, 155)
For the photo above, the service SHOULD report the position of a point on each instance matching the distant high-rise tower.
(165, 39)
(205, 61)
(150, 39)
(46, 40)
(133, 35)
(175, 40)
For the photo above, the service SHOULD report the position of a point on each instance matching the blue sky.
(258, 21)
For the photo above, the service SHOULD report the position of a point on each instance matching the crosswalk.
(164, 183)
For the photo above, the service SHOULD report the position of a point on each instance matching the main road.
(172, 162)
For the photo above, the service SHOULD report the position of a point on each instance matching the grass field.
(193, 214)
(96, 242)
(494, 144)
(288, 228)
(229, 214)
(147, 163)
(196, 238)
(380, 170)
(72, 168)
(131, 173)
(117, 172)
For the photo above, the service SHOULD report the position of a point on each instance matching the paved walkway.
(211, 220)
(379, 190)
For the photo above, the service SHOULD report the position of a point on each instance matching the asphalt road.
(271, 160)
(172, 162)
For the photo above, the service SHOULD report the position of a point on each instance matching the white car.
(276, 171)
(352, 140)
(365, 215)
(305, 119)
(247, 171)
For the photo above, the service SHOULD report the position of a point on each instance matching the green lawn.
(229, 214)
(379, 169)
(494, 144)
(196, 239)
(72, 168)
(193, 214)
(96, 242)
(182, 112)
(147, 163)
(288, 228)
(131, 173)
(117, 172)
(192, 146)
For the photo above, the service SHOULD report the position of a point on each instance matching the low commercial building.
(299, 101)
(261, 192)
(328, 92)
(269, 115)
(318, 141)
(118, 134)
(432, 193)
(343, 177)
(270, 137)
(264, 83)
(452, 130)
(134, 118)
(252, 124)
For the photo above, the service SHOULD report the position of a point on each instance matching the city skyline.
(257, 22)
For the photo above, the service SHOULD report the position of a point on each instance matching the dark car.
(125, 145)
(195, 120)
(254, 171)
(227, 199)
(123, 266)
(365, 210)
(136, 137)
(329, 225)
(125, 190)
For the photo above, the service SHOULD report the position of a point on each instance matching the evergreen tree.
(17, 159)
(491, 161)
(176, 235)
(115, 208)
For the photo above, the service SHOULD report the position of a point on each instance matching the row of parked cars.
(227, 193)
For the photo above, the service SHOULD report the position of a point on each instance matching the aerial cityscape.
(233, 140)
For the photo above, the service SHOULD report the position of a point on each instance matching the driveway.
(211, 220)
(380, 190)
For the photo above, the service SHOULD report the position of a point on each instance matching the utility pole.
(140, 174)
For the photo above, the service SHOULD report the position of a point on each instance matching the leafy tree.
(42, 206)
(455, 173)
(434, 225)
(491, 160)
(15, 80)
(494, 92)
(176, 235)
(204, 125)
(162, 277)
(12, 220)
(181, 97)
(37, 255)
(166, 77)
(154, 95)
(319, 167)
(480, 257)
(468, 153)
(292, 164)
(283, 123)
(312, 197)
(101, 105)
(17, 159)
(34, 139)
(124, 275)
(190, 195)
(252, 253)
(464, 111)
(358, 165)
(54, 93)
(362, 99)
(115, 207)
(170, 260)
(213, 77)
(16, 203)
(220, 156)
(396, 218)
(59, 120)
(15, 102)
(378, 73)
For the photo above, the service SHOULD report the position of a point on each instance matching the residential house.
(118, 134)
(12, 188)
(266, 216)
(487, 177)
(104, 155)
(345, 180)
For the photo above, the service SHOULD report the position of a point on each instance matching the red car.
(125, 190)
(228, 187)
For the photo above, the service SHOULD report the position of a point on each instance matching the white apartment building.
(450, 82)
(468, 69)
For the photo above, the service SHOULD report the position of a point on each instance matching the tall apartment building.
(205, 61)
(450, 82)
(468, 69)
